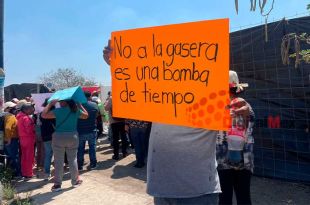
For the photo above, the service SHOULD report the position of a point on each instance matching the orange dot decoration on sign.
(220, 104)
(196, 106)
(190, 109)
(210, 110)
(203, 101)
(222, 92)
(201, 113)
(194, 116)
(227, 120)
(199, 123)
(212, 96)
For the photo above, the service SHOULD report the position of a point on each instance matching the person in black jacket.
(47, 129)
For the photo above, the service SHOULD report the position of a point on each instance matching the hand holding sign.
(107, 53)
(176, 74)
(75, 93)
(53, 102)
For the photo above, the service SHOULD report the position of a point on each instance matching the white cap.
(15, 100)
(234, 81)
(21, 103)
(95, 99)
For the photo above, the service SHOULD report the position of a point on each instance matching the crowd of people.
(184, 165)
(60, 133)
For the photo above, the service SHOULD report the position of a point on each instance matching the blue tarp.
(74, 93)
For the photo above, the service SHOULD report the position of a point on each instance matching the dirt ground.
(271, 191)
(120, 183)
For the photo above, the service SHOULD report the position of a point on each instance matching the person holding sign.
(235, 148)
(65, 138)
(181, 167)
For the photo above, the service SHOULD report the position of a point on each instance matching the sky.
(41, 36)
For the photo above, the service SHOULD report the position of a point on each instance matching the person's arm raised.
(47, 113)
(84, 113)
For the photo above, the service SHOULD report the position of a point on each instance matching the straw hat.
(234, 81)
(8, 105)
(21, 103)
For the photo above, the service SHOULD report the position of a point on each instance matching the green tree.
(66, 77)
(296, 41)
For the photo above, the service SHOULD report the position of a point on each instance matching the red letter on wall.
(274, 122)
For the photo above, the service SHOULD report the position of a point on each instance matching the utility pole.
(2, 75)
(1, 31)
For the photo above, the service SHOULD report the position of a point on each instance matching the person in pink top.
(26, 131)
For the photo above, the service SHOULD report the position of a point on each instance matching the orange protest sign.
(174, 74)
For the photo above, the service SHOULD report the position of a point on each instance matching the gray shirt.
(182, 162)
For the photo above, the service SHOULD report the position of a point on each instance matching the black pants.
(118, 129)
(238, 181)
(99, 126)
(147, 136)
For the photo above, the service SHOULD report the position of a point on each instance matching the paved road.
(118, 183)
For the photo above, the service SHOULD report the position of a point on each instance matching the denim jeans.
(48, 156)
(12, 150)
(139, 138)
(91, 139)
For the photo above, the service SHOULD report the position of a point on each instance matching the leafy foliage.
(296, 41)
(22, 201)
(6, 175)
(66, 77)
(8, 191)
(305, 55)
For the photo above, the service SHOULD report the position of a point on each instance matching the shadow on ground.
(29, 185)
(49, 196)
(121, 171)
(37, 183)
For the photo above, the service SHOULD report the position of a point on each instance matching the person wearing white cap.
(235, 148)
(8, 106)
(11, 140)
